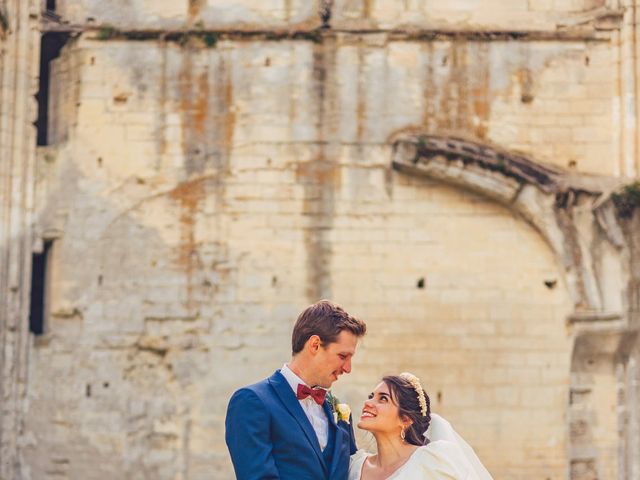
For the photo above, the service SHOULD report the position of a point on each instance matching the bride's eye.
(370, 397)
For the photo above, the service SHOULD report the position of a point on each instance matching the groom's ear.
(314, 343)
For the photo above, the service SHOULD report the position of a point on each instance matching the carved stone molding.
(578, 218)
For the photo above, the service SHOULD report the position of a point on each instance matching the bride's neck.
(391, 450)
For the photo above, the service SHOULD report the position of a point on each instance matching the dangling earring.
(402, 434)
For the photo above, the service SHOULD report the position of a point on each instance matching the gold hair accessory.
(415, 383)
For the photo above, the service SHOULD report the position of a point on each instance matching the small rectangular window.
(39, 269)
(50, 46)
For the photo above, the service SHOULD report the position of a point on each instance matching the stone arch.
(551, 200)
(441, 262)
(577, 217)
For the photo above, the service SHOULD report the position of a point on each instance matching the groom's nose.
(346, 368)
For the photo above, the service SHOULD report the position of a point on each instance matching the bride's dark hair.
(405, 396)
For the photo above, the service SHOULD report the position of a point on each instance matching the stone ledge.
(235, 32)
(609, 337)
(595, 317)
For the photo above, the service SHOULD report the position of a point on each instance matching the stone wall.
(210, 193)
(19, 48)
(214, 167)
(486, 15)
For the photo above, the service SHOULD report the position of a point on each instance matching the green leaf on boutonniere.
(333, 401)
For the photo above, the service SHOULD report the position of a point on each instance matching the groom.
(283, 427)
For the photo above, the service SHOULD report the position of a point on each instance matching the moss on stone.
(210, 39)
(627, 200)
(314, 35)
(4, 21)
(106, 32)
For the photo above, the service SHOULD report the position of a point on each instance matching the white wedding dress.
(446, 457)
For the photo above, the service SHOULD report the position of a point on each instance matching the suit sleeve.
(248, 437)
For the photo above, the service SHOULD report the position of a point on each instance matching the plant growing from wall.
(627, 199)
(106, 32)
(4, 22)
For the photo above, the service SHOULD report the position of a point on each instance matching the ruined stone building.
(178, 179)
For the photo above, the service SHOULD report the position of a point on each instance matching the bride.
(412, 443)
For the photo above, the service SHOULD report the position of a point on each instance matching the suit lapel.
(327, 410)
(339, 433)
(287, 397)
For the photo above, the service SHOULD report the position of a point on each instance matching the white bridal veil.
(440, 429)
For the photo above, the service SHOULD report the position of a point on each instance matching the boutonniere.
(341, 411)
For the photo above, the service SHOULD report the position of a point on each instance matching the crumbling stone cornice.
(458, 160)
(493, 159)
(410, 34)
(574, 34)
(553, 200)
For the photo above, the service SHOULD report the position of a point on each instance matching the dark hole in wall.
(51, 44)
(51, 5)
(38, 289)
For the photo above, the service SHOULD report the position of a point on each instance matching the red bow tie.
(317, 394)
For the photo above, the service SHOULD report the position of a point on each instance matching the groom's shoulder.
(257, 387)
(261, 389)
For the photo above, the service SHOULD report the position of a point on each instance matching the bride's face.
(380, 412)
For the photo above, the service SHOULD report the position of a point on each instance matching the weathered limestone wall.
(629, 420)
(19, 48)
(203, 188)
(549, 100)
(626, 106)
(580, 225)
(206, 194)
(167, 14)
(463, 14)
(629, 359)
(485, 334)
(344, 14)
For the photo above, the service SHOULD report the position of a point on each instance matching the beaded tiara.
(415, 383)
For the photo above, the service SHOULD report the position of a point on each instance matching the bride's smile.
(380, 413)
(398, 415)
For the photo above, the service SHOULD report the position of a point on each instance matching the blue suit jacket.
(270, 437)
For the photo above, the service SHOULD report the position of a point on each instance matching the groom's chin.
(330, 381)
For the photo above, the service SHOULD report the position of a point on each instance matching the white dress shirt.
(313, 411)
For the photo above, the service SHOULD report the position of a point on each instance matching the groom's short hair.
(327, 320)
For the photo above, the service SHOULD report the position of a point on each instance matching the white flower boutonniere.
(341, 411)
(344, 412)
